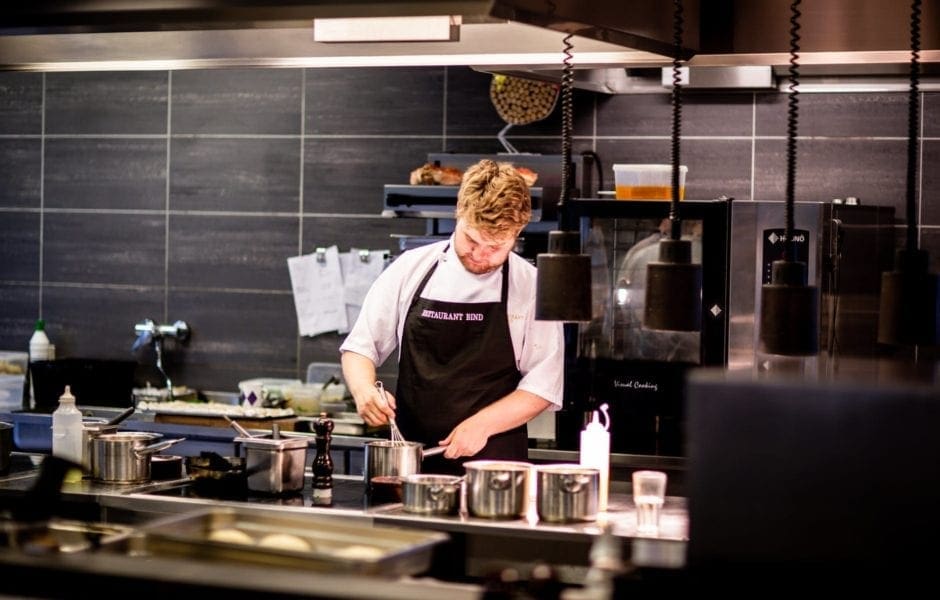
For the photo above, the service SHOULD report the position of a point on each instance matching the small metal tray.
(329, 545)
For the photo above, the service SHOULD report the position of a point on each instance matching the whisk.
(394, 433)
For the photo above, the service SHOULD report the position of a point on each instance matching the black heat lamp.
(674, 283)
(908, 311)
(789, 319)
(563, 286)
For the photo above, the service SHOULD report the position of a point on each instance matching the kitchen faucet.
(149, 333)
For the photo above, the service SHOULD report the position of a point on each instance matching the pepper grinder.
(323, 463)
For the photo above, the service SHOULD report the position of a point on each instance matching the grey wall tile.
(235, 174)
(20, 309)
(931, 109)
(930, 183)
(97, 321)
(262, 101)
(651, 114)
(716, 167)
(370, 101)
(835, 115)
(346, 176)
(20, 172)
(235, 336)
(129, 103)
(871, 170)
(19, 246)
(373, 233)
(105, 173)
(321, 348)
(471, 112)
(231, 251)
(930, 241)
(103, 248)
(20, 103)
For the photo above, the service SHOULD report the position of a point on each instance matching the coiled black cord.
(677, 23)
(913, 115)
(567, 79)
(792, 112)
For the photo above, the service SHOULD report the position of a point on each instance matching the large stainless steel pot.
(385, 458)
(566, 493)
(497, 489)
(125, 457)
(431, 494)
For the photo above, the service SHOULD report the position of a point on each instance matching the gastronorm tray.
(327, 545)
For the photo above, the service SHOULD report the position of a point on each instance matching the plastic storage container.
(12, 379)
(647, 182)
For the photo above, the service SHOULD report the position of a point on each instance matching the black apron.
(456, 358)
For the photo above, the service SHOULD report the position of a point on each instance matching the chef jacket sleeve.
(541, 357)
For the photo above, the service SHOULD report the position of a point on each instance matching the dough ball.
(231, 536)
(284, 541)
(358, 552)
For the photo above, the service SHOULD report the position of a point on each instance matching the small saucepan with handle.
(125, 457)
(387, 458)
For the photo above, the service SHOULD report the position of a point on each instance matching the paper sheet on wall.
(358, 276)
(318, 292)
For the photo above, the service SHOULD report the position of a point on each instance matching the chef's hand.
(373, 409)
(466, 439)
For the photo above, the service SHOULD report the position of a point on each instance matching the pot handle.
(433, 451)
(500, 482)
(154, 448)
(572, 484)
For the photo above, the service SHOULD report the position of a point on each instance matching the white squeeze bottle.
(595, 451)
(67, 429)
(39, 346)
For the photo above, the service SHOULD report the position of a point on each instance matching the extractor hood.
(179, 34)
(618, 46)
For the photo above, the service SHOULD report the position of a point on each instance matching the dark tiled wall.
(180, 195)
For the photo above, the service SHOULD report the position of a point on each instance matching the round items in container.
(520, 101)
(497, 489)
(431, 494)
(567, 493)
(67, 429)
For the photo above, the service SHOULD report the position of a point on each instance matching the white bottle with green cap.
(39, 346)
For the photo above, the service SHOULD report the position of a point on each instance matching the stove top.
(347, 494)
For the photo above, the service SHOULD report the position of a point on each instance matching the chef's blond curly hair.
(494, 199)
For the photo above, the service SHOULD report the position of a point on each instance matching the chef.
(474, 366)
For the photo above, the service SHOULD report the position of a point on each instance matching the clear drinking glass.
(649, 493)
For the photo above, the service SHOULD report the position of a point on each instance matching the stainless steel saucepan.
(386, 458)
(125, 457)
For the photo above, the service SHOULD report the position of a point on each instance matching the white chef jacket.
(537, 345)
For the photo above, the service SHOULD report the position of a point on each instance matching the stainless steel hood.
(618, 45)
(179, 34)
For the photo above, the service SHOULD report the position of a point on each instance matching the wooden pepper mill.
(323, 462)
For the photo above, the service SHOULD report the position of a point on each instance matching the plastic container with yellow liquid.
(647, 182)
